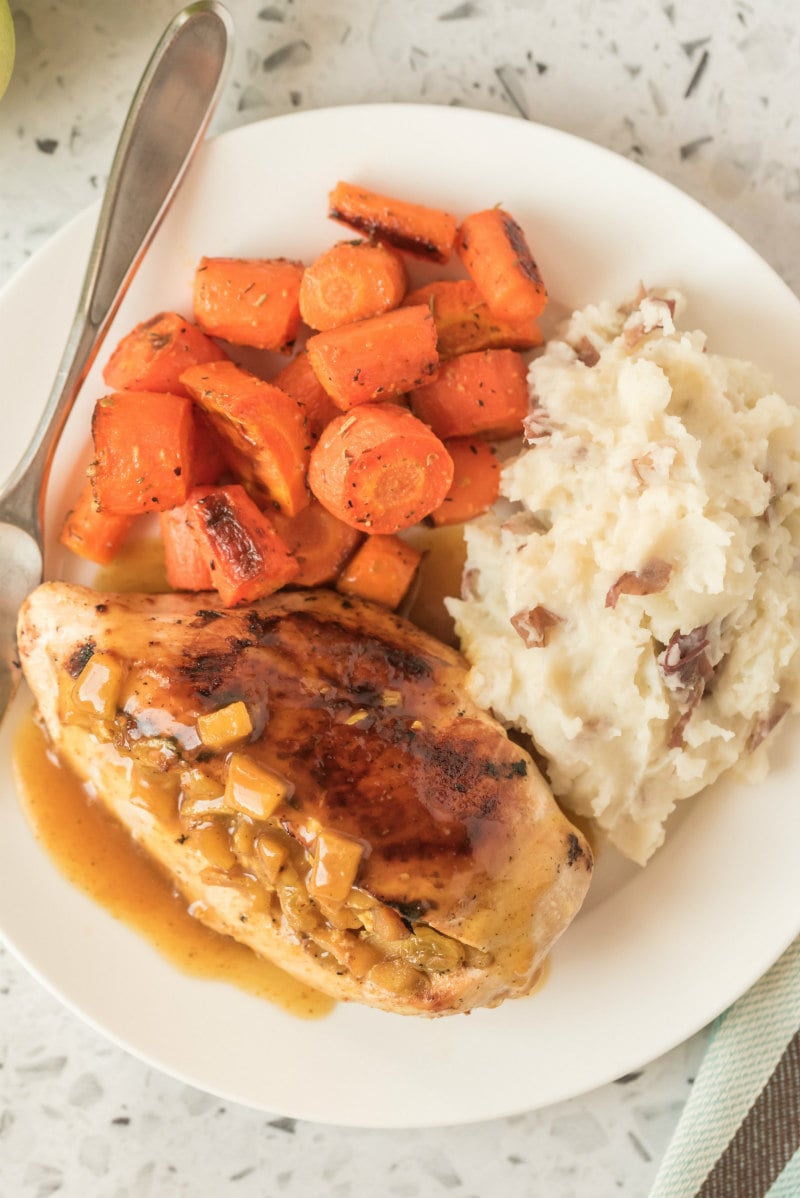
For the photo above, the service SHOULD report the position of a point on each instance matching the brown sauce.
(438, 577)
(96, 854)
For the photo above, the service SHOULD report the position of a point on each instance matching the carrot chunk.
(320, 543)
(247, 557)
(209, 460)
(93, 534)
(185, 555)
(351, 281)
(376, 358)
(263, 428)
(476, 481)
(380, 469)
(482, 394)
(466, 324)
(153, 356)
(425, 232)
(298, 380)
(249, 301)
(143, 443)
(493, 248)
(381, 570)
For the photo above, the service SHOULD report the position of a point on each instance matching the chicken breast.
(316, 781)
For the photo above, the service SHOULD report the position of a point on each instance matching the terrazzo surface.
(706, 97)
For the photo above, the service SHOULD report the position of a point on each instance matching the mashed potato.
(636, 607)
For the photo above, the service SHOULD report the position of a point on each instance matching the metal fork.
(165, 125)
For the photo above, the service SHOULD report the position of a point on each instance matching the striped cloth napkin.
(739, 1134)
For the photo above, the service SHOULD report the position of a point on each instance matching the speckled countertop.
(705, 96)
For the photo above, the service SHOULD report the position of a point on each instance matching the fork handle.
(165, 124)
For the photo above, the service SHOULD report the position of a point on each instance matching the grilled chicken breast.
(316, 781)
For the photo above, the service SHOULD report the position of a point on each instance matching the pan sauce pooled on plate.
(639, 613)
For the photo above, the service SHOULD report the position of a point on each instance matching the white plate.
(656, 954)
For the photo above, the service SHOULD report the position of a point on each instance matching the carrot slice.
(380, 469)
(248, 559)
(376, 358)
(209, 460)
(93, 534)
(143, 444)
(263, 428)
(482, 394)
(320, 543)
(493, 248)
(465, 323)
(249, 301)
(476, 481)
(185, 555)
(425, 232)
(352, 280)
(382, 570)
(153, 356)
(298, 380)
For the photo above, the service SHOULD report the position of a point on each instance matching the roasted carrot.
(476, 481)
(425, 232)
(153, 356)
(209, 460)
(482, 394)
(351, 281)
(247, 557)
(381, 570)
(465, 323)
(263, 428)
(298, 380)
(319, 542)
(493, 248)
(376, 358)
(143, 444)
(379, 469)
(249, 301)
(93, 534)
(185, 555)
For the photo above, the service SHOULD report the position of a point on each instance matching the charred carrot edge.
(493, 248)
(381, 570)
(249, 301)
(376, 358)
(264, 430)
(185, 557)
(319, 542)
(153, 356)
(482, 394)
(351, 281)
(466, 324)
(425, 232)
(476, 481)
(247, 557)
(143, 444)
(380, 469)
(92, 534)
(298, 380)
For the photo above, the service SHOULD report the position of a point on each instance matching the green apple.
(6, 45)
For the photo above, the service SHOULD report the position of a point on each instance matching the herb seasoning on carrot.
(249, 301)
(483, 394)
(298, 380)
(143, 443)
(263, 428)
(425, 232)
(465, 323)
(493, 248)
(380, 469)
(351, 281)
(153, 356)
(376, 358)
(476, 481)
(247, 557)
